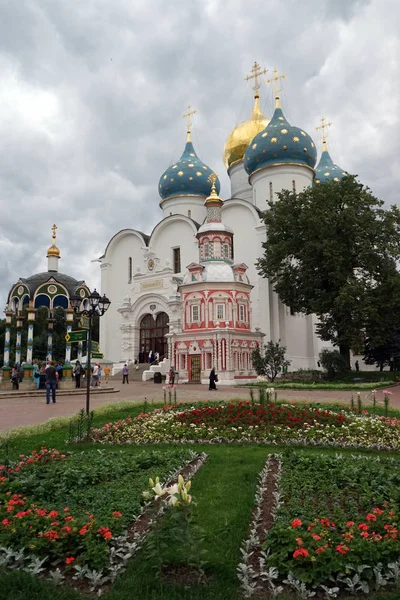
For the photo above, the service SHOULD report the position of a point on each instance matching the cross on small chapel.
(212, 179)
(190, 112)
(275, 80)
(256, 72)
(54, 229)
(323, 127)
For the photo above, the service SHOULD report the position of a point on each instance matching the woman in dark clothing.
(213, 379)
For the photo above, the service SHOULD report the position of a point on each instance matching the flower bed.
(324, 541)
(67, 509)
(254, 423)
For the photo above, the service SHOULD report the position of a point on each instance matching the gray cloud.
(91, 98)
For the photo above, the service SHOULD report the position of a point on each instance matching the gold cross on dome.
(275, 80)
(190, 112)
(256, 72)
(54, 229)
(212, 179)
(323, 127)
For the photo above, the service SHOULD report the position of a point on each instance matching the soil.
(184, 575)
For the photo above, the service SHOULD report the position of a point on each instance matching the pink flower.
(296, 523)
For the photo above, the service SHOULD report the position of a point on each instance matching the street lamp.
(95, 305)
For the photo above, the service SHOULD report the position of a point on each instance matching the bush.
(333, 363)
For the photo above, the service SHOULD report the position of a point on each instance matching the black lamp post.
(95, 305)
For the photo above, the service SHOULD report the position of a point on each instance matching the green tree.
(328, 250)
(270, 362)
(333, 362)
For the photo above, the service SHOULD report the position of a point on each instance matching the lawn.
(224, 490)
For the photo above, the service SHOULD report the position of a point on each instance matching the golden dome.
(242, 135)
(53, 251)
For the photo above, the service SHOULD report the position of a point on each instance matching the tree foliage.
(331, 250)
(270, 362)
(333, 362)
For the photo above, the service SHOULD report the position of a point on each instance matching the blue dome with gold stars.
(187, 177)
(326, 169)
(280, 143)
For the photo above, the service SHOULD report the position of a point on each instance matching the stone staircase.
(134, 373)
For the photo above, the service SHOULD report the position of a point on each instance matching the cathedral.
(190, 289)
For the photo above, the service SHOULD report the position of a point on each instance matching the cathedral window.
(176, 252)
(130, 269)
(225, 250)
(207, 250)
(220, 312)
(241, 312)
(271, 191)
(195, 313)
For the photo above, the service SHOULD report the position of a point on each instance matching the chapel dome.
(280, 143)
(327, 170)
(241, 136)
(187, 177)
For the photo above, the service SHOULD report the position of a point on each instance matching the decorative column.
(31, 319)
(50, 325)
(69, 313)
(9, 315)
(20, 322)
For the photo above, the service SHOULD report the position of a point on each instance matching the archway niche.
(152, 335)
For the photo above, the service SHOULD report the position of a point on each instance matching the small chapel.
(190, 289)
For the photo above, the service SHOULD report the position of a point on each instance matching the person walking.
(78, 372)
(95, 376)
(36, 375)
(150, 357)
(357, 366)
(213, 379)
(51, 382)
(59, 369)
(15, 377)
(107, 372)
(157, 357)
(125, 374)
(171, 376)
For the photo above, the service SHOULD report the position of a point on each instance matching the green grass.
(224, 489)
(319, 385)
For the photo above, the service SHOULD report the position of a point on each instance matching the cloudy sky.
(92, 93)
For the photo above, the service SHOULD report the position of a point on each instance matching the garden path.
(15, 412)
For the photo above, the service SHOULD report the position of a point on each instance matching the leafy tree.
(333, 362)
(270, 362)
(328, 250)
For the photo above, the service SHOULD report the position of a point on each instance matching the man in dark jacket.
(51, 382)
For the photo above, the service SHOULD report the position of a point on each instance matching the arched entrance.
(152, 334)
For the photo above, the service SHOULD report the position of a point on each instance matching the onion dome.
(187, 177)
(280, 143)
(326, 169)
(53, 250)
(240, 137)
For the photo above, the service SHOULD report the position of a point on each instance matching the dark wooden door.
(195, 368)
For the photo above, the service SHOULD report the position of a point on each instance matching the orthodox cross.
(212, 179)
(256, 72)
(323, 127)
(190, 112)
(275, 80)
(54, 229)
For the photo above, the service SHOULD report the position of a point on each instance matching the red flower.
(296, 523)
(116, 513)
(321, 549)
(315, 536)
(299, 541)
(300, 553)
(350, 523)
(342, 549)
(51, 535)
(371, 517)
(53, 514)
(69, 560)
(363, 526)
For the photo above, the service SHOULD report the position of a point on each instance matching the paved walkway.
(15, 412)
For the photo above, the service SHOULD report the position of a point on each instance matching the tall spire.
(213, 203)
(53, 253)
(324, 132)
(274, 80)
(190, 112)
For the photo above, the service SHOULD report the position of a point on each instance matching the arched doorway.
(152, 334)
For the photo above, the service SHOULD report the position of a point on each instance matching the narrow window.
(220, 312)
(241, 312)
(130, 269)
(271, 191)
(225, 251)
(195, 313)
(292, 311)
(206, 250)
(177, 259)
(189, 214)
(294, 185)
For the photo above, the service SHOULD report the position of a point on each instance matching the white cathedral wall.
(176, 233)
(115, 284)
(268, 182)
(190, 206)
(249, 233)
(240, 186)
